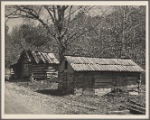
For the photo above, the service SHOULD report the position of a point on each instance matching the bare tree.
(56, 20)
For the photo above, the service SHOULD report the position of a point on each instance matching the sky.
(11, 23)
(96, 10)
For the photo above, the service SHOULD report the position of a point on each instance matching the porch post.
(139, 85)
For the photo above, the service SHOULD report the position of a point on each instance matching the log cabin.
(35, 65)
(83, 75)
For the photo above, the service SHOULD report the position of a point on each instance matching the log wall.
(66, 82)
(83, 81)
(43, 71)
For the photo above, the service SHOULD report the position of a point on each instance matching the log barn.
(84, 74)
(35, 65)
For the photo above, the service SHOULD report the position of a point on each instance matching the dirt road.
(13, 106)
(24, 100)
(20, 100)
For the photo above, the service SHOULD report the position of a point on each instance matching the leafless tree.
(56, 20)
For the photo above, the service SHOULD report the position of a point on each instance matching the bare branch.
(68, 21)
(78, 35)
(48, 10)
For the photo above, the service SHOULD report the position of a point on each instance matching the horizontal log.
(45, 67)
(50, 70)
(135, 102)
(136, 106)
(61, 81)
(119, 112)
(103, 75)
(39, 76)
(43, 70)
(102, 85)
(41, 65)
(103, 80)
(39, 73)
(134, 109)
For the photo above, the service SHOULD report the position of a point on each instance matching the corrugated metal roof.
(103, 64)
(41, 57)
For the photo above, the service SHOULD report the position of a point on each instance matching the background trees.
(56, 21)
(113, 32)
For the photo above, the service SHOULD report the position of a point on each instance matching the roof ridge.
(106, 64)
(97, 57)
(37, 51)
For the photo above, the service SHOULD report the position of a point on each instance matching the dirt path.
(20, 100)
(13, 106)
(23, 100)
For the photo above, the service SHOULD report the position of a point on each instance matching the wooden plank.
(41, 57)
(134, 102)
(103, 83)
(35, 57)
(38, 73)
(103, 80)
(39, 76)
(131, 78)
(103, 76)
(38, 70)
(102, 86)
(39, 65)
(136, 110)
(136, 106)
(119, 112)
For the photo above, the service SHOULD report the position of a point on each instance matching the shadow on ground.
(17, 80)
(54, 92)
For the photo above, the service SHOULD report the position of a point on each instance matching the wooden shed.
(85, 75)
(35, 65)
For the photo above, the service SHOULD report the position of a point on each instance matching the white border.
(35, 116)
(75, 3)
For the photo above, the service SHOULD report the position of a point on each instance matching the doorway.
(25, 70)
(88, 88)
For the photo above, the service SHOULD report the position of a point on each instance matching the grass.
(83, 104)
(38, 85)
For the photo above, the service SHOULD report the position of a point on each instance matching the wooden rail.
(135, 107)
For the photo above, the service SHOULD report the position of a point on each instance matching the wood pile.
(135, 107)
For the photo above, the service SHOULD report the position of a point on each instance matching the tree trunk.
(61, 52)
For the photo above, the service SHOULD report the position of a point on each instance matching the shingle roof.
(103, 64)
(41, 57)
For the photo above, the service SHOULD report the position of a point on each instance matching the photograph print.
(75, 58)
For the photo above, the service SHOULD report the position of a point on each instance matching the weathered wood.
(134, 102)
(135, 107)
(119, 112)
(101, 79)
